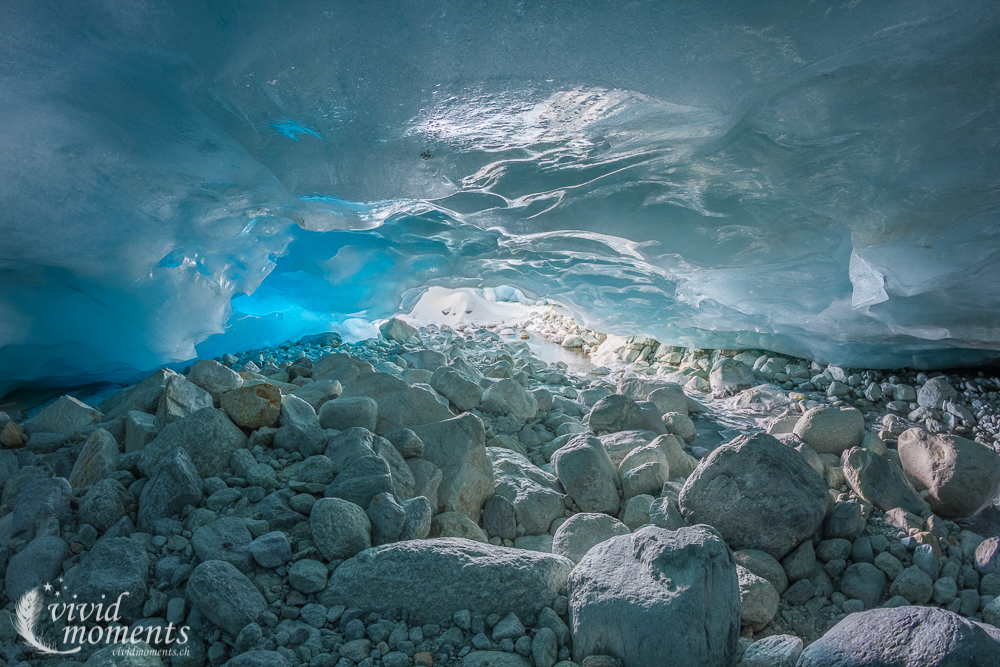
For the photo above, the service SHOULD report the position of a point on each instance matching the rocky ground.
(440, 495)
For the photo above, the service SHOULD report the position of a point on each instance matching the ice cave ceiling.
(816, 178)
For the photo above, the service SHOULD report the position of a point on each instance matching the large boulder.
(729, 377)
(585, 470)
(397, 330)
(340, 529)
(399, 404)
(98, 459)
(115, 565)
(208, 437)
(621, 443)
(179, 399)
(508, 397)
(67, 415)
(458, 447)
(432, 579)
(758, 493)
(963, 476)
(225, 595)
(831, 429)
(253, 406)
(463, 393)
(657, 593)
(535, 494)
(582, 532)
(904, 636)
(880, 481)
(214, 378)
(143, 397)
(38, 564)
(175, 483)
(615, 413)
(935, 393)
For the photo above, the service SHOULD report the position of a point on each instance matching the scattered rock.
(759, 599)
(508, 397)
(208, 437)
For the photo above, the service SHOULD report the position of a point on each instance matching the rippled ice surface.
(184, 178)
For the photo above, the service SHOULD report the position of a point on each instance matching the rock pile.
(440, 496)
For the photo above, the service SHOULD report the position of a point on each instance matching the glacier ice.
(181, 178)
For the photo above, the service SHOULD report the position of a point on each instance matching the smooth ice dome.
(182, 178)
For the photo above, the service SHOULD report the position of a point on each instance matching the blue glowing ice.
(815, 178)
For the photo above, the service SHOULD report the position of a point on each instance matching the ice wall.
(186, 177)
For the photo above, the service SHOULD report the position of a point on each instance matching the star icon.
(48, 588)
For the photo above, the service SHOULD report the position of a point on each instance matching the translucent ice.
(179, 178)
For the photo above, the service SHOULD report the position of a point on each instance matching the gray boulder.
(535, 494)
(349, 412)
(38, 564)
(432, 579)
(742, 487)
(963, 476)
(175, 483)
(214, 378)
(865, 582)
(361, 480)
(208, 437)
(615, 413)
(38, 501)
(387, 518)
(581, 532)
(831, 429)
(657, 593)
(179, 399)
(906, 636)
(773, 651)
(399, 404)
(339, 528)
(105, 504)
(880, 481)
(115, 565)
(458, 447)
(397, 330)
(935, 393)
(585, 470)
(319, 392)
(462, 392)
(759, 599)
(258, 659)
(67, 416)
(729, 377)
(228, 539)
(622, 443)
(98, 459)
(225, 596)
(143, 397)
(508, 397)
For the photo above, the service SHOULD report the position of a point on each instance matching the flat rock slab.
(432, 579)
